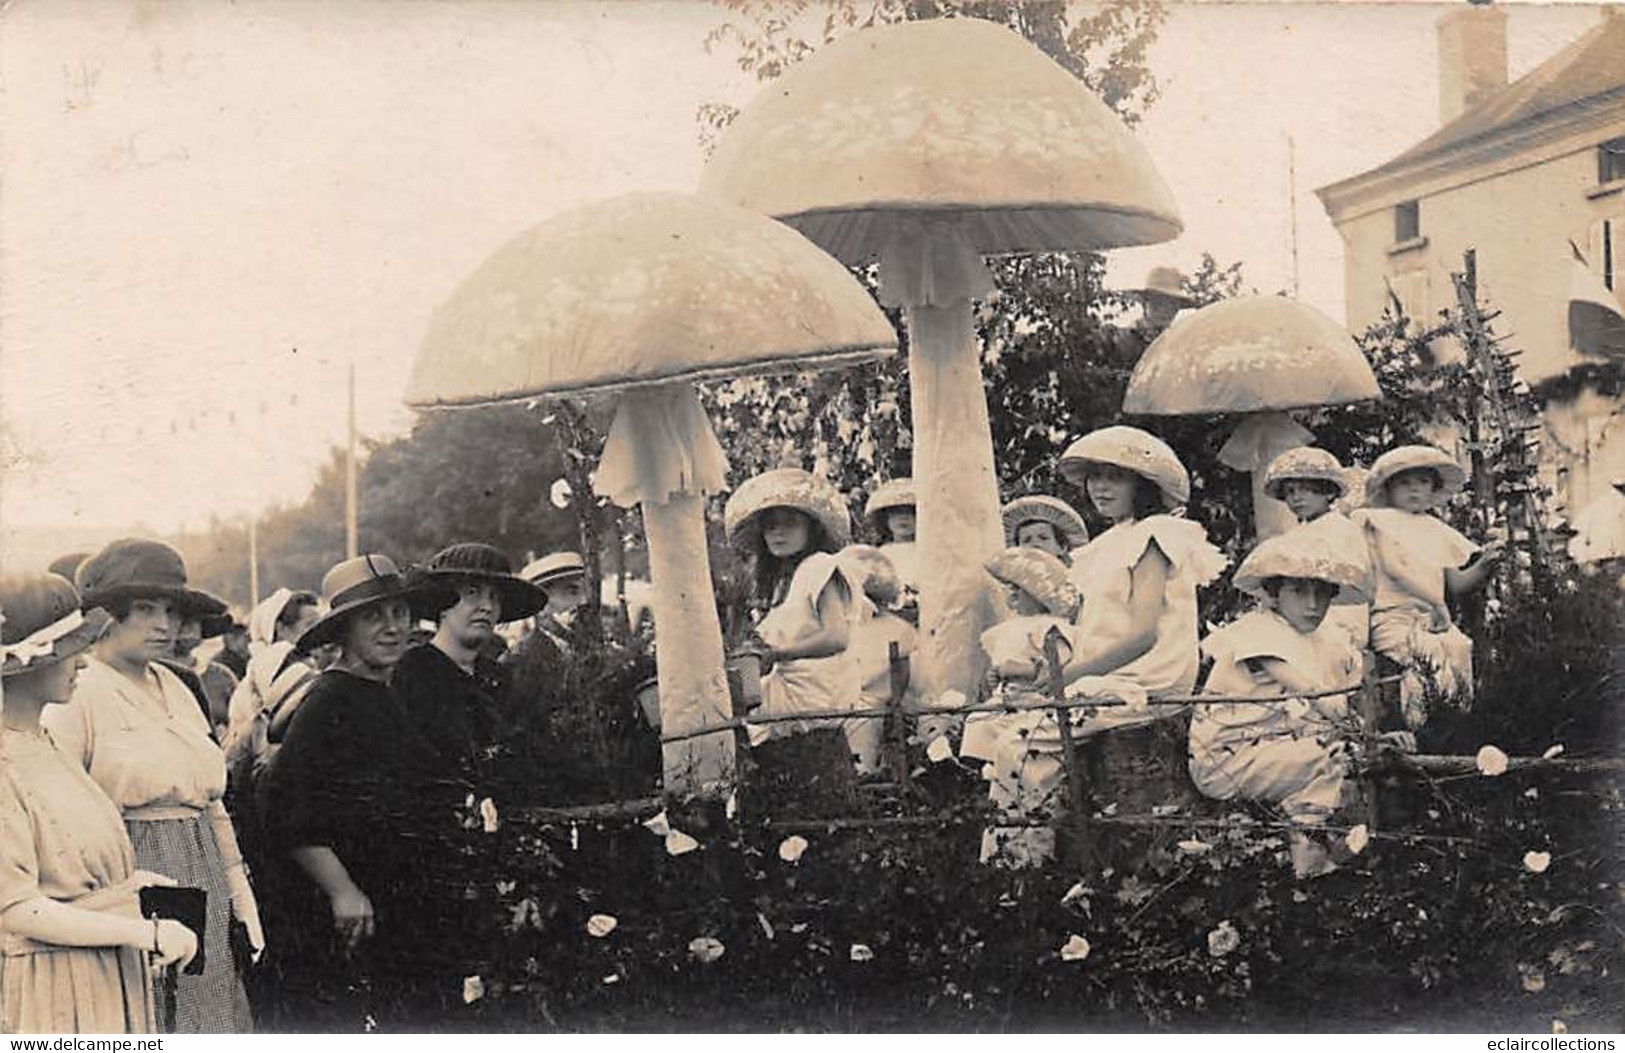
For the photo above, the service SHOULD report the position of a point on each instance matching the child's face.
(1303, 602)
(900, 524)
(1036, 533)
(1021, 601)
(1306, 499)
(785, 532)
(1412, 490)
(1111, 491)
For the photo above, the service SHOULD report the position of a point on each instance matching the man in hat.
(450, 685)
(562, 577)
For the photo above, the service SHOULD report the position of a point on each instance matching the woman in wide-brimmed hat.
(138, 731)
(790, 523)
(1045, 523)
(1418, 561)
(342, 808)
(74, 948)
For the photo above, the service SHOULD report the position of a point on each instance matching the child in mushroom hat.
(1417, 561)
(791, 523)
(1313, 484)
(1285, 753)
(1043, 522)
(890, 514)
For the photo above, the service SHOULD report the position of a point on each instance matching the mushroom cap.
(1404, 459)
(1305, 462)
(1248, 354)
(1133, 449)
(1305, 553)
(1046, 509)
(956, 118)
(643, 289)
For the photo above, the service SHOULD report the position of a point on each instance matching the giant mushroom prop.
(926, 146)
(642, 295)
(1258, 356)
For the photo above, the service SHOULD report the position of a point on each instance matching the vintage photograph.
(836, 516)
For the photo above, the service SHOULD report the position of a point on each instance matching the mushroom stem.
(693, 684)
(1258, 440)
(957, 493)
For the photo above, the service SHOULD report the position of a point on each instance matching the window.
(1407, 221)
(1611, 161)
(1604, 245)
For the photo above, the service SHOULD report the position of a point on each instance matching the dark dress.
(353, 775)
(459, 714)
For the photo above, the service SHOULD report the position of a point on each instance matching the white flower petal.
(1075, 893)
(1552, 751)
(1537, 862)
(791, 848)
(679, 843)
(860, 952)
(473, 989)
(1491, 761)
(601, 925)
(939, 750)
(560, 494)
(656, 824)
(1193, 847)
(1358, 838)
(1075, 949)
(488, 815)
(706, 949)
(612, 978)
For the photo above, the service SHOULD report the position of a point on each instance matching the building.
(1517, 172)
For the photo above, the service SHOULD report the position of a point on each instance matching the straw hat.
(134, 568)
(786, 488)
(43, 623)
(1040, 575)
(1167, 283)
(898, 493)
(1045, 509)
(1136, 450)
(554, 566)
(1305, 462)
(474, 560)
(1304, 553)
(1405, 458)
(350, 586)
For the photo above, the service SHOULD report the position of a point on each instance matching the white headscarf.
(262, 623)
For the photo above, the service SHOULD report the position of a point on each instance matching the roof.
(1588, 74)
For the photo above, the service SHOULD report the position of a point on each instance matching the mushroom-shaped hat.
(1254, 355)
(644, 294)
(1040, 575)
(1137, 451)
(928, 145)
(1069, 526)
(895, 493)
(1306, 553)
(1408, 458)
(786, 488)
(1305, 463)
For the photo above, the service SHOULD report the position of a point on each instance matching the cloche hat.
(1043, 508)
(1040, 575)
(1305, 462)
(352, 585)
(1307, 552)
(1405, 458)
(481, 562)
(43, 623)
(1135, 450)
(786, 488)
(131, 568)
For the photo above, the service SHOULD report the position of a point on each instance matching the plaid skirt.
(212, 1002)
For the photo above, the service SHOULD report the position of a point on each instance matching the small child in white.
(1042, 602)
(877, 629)
(1418, 560)
(1285, 753)
(1312, 483)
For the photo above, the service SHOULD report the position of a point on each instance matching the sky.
(210, 211)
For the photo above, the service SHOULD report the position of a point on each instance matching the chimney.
(1472, 57)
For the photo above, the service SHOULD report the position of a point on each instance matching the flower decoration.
(488, 815)
(1491, 761)
(1537, 862)
(706, 949)
(679, 843)
(791, 848)
(1358, 838)
(473, 989)
(601, 925)
(860, 952)
(1075, 949)
(1223, 940)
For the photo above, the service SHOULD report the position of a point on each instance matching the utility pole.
(350, 550)
(1292, 205)
(254, 562)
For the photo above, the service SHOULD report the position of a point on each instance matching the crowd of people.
(295, 805)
